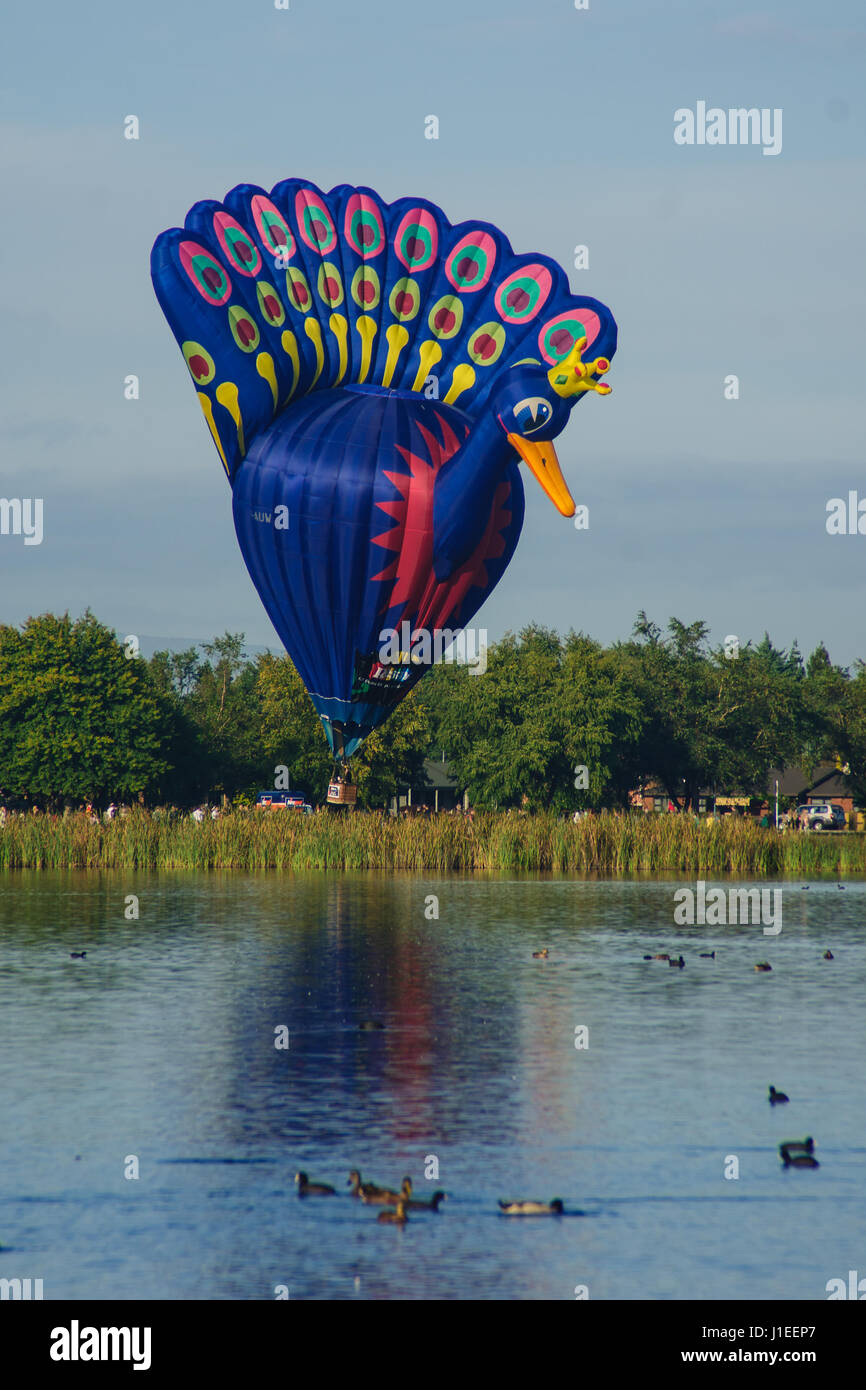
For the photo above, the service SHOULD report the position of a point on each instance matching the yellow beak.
(542, 459)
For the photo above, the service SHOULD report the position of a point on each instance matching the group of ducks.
(794, 1153)
(678, 962)
(397, 1204)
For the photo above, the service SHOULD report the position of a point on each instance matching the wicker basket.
(342, 794)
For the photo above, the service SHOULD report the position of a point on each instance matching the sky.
(557, 125)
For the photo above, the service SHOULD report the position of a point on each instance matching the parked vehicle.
(281, 800)
(823, 815)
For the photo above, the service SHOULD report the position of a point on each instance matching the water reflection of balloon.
(372, 377)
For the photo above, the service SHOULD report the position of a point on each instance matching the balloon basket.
(342, 794)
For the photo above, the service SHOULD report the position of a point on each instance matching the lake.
(157, 1052)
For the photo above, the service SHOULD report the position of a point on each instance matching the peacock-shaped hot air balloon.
(372, 377)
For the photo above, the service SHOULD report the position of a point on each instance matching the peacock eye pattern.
(417, 240)
(404, 300)
(244, 329)
(297, 289)
(205, 272)
(200, 363)
(446, 317)
(314, 222)
(270, 304)
(239, 248)
(470, 265)
(523, 294)
(363, 226)
(487, 344)
(330, 285)
(366, 288)
(562, 332)
(273, 229)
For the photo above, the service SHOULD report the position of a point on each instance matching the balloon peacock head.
(532, 406)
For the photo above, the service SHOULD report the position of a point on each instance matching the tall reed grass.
(286, 840)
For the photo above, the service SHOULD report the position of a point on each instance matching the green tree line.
(82, 719)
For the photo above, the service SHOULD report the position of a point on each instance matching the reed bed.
(287, 841)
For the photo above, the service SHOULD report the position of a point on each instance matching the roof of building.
(827, 779)
(439, 774)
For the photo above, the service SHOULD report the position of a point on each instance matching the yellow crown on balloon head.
(572, 374)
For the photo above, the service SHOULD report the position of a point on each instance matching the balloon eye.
(532, 413)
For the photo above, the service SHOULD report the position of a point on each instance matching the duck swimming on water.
(799, 1160)
(433, 1205)
(554, 1208)
(360, 1188)
(312, 1189)
(805, 1146)
(395, 1218)
(777, 1097)
(384, 1196)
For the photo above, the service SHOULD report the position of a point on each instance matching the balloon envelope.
(333, 511)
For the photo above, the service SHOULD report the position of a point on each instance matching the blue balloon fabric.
(371, 377)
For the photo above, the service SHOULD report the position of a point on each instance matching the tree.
(393, 755)
(224, 705)
(293, 737)
(291, 730)
(78, 719)
(836, 717)
(711, 720)
(544, 708)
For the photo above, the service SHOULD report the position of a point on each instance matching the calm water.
(161, 1045)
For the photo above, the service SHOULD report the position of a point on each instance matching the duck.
(416, 1204)
(77, 955)
(395, 1218)
(708, 955)
(799, 1160)
(382, 1196)
(841, 887)
(313, 1189)
(777, 1097)
(828, 955)
(554, 1208)
(360, 1188)
(542, 954)
(679, 964)
(805, 1146)
(763, 965)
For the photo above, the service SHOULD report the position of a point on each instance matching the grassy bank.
(604, 844)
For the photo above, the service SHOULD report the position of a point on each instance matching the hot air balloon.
(372, 378)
